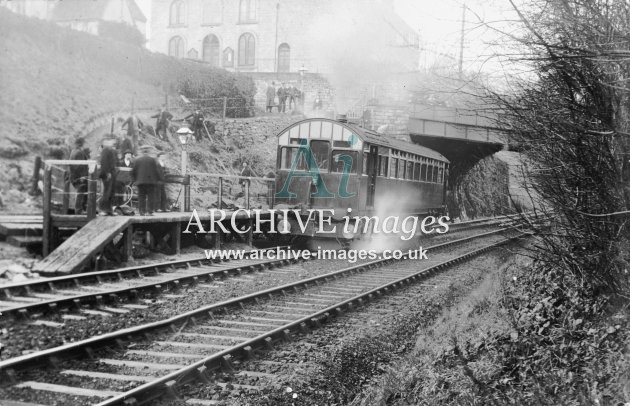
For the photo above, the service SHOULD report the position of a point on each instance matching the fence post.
(66, 193)
(224, 107)
(36, 168)
(47, 207)
(220, 194)
(91, 195)
(187, 193)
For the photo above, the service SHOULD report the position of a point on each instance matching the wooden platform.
(21, 230)
(78, 250)
(74, 253)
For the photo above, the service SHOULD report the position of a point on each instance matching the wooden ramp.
(76, 252)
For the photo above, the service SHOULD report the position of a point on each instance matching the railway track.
(128, 366)
(112, 291)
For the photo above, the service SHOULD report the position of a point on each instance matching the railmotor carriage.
(336, 165)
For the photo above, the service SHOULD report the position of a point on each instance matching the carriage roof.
(375, 138)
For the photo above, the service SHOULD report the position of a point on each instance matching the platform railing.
(247, 192)
(56, 197)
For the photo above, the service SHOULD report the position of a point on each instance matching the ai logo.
(304, 152)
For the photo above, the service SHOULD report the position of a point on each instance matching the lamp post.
(184, 134)
(302, 72)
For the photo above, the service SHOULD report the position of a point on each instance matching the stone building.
(279, 35)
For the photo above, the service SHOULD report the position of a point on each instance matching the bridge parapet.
(462, 124)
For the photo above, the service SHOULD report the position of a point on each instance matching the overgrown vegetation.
(572, 121)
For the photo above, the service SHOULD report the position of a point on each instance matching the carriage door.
(372, 171)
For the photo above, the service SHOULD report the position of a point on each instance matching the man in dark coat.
(196, 121)
(79, 175)
(162, 123)
(282, 98)
(146, 175)
(107, 175)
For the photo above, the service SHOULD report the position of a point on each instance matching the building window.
(246, 50)
(178, 13)
(212, 12)
(228, 57)
(176, 47)
(284, 58)
(211, 50)
(247, 11)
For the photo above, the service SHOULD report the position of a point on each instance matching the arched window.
(211, 49)
(178, 13)
(284, 58)
(247, 11)
(246, 50)
(212, 12)
(228, 57)
(176, 47)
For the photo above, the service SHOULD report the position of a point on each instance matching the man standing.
(196, 121)
(163, 122)
(79, 175)
(271, 96)
(107, 175)
(146, 175)
(282, 98)
(133, 127)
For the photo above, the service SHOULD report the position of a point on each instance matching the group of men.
(287, 94)
(148, 172)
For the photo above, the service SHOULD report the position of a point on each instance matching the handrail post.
(91, 196)
(220, 194)
(65, 199)
(47, 225)
(186, 193)
(250, 234)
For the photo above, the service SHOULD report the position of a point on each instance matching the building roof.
(89, 10)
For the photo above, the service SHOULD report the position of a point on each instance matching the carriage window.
(320, 150)
(288, 156)
(339, 159)
(430, 173)
(409, 170)
(382, 165)
(393, 168)
(342, 144)
(326, 130)
(283, 139)
(337, 131)
(440, 175)
(416, 171)
(435, 174)
(367, 162)
(401, 168)
(316, 129)
(423, 175)
(304, 130)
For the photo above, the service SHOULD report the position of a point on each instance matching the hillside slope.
(55, 80)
